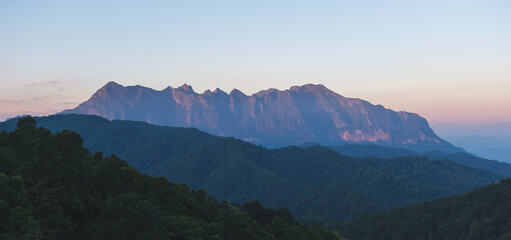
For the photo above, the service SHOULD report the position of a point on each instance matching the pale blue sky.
(446, 60)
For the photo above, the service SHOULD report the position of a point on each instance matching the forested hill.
(479, 215)
(463, 158)
(316, 184)
(53, 188)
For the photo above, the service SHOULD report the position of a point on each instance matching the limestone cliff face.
(272, 118)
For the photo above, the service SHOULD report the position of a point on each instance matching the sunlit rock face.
(272, 118)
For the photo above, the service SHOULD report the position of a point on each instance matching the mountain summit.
(273, 118)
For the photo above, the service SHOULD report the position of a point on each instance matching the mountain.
(463, 158)
(372, 150)
(53, 188)
(481, 214)
(497, 148)
(315, 183)
(272, 118)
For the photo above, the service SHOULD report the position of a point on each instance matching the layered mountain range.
(317, 184)
(272, 118)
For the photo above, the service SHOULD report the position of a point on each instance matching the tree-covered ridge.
(478, 215)
(462, 158)
(316, 184)
(53, 188)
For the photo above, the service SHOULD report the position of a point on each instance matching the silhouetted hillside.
(53, 188)
(479, 215)
(463, 158)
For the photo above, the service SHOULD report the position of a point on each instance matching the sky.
(448, 61)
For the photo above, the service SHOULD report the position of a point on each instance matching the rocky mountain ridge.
(272, 118)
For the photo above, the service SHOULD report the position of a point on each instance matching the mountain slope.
(481, 214)
(312, 182)
(497, 148)
(463, 158)
(372, 150)
(272, 118)
(53, 188)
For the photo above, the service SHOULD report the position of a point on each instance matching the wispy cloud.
(53, 83)
(10, 101)
(44, 97)
(41, 98)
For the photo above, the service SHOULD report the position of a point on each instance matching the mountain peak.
(111, 88)
(186, 88)
(219, 91)
(314, 88)
(112, 85)
(294, 88)
(236, 92)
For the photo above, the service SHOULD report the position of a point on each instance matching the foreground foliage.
(481, 214)
(53, 188)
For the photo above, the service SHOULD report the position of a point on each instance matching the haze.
(447, 61)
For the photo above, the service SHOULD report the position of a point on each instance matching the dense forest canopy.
(479, 215)
(462, 158)
(317, 184)
(53, 188)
